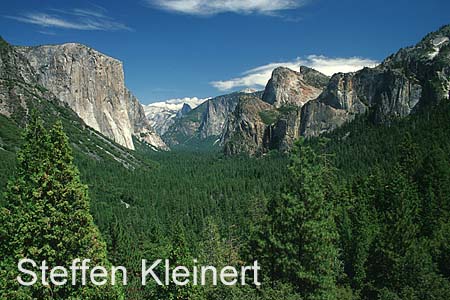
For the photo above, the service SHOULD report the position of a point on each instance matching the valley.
(338, 186)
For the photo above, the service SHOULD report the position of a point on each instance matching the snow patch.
(248, 91)
(174, 104)
(162, 114)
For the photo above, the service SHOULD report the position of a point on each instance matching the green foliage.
(300, 244)
(375, 226)
(268, 116)
(287, 109)
(46, 217)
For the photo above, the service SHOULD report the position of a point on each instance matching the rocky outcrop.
(313, 77)
(405, 82)
(412, 78)
(246, 130)
(207, 121)
(142, 129)
(91, 83)
(216, 114)
(162, 115)
(288, 91)
(288, 87)
(184, 110)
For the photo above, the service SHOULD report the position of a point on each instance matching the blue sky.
(187, 48)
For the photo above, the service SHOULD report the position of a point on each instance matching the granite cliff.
(205, 122)
(404, 82)
(276, 122)
(93, 85)
(307, 103)
(21, 93)
(288, 87)
(246, 129)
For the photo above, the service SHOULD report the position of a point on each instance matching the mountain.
(205, 122)
(275, 124)
(307, 103)
(288, 87)
(161, 115)
(247, 125)
(21, 93)
(184, 110)
(403, 83)
(142, 128)
(93, 85)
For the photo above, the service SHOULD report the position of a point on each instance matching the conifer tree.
(178, 254)
(303, 234)
(46, 217)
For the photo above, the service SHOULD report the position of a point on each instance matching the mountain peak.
(313, 77)
(289, 87)
(248, 91)
(184, 110)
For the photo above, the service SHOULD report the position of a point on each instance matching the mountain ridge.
(405, 81)
(93, 85)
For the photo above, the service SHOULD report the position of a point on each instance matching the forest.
(359, 213)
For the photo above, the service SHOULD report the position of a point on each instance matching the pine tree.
(219, 252)
(47, 217)
(178, 254)
(303, 236)
(357, 229)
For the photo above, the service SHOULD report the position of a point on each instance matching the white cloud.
(78, 19)
(259, 76)
(212, 7)
(177, 104)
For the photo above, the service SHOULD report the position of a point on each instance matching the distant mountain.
(92, 84)
(162, 114)
(206, 122)
(293, 104)
(308, 103)
(248, 91)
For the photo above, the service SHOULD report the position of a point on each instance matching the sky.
(204, 48)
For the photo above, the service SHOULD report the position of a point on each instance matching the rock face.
(162, 115)
(216, 114)
(288, 87)
(207, 121)
(285, 130)
(184, 110)
(412, 78)
(142, 129)
(246, 130)
(405, 82)
(20, 92)
(14, 67)
(92, 84)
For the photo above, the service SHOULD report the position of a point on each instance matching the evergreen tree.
(46, 217)
(303, 236)
(179, 254)
(219, 252)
